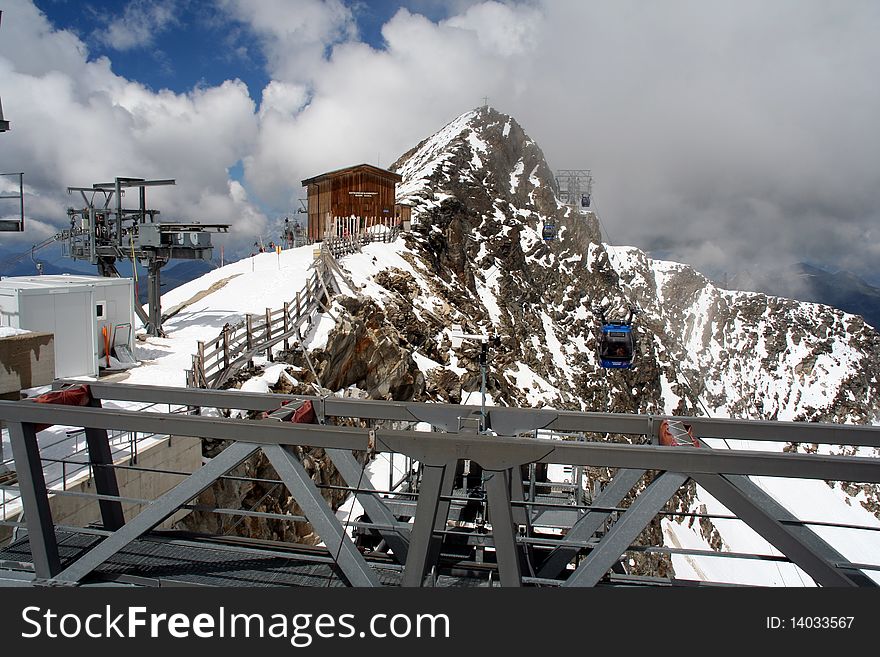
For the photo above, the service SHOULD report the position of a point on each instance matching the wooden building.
(364, 192)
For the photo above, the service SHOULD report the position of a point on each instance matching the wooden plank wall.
(333, 197)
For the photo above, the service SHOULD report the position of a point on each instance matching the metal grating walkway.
(163, 562)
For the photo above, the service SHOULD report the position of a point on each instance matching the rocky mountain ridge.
(481, 192)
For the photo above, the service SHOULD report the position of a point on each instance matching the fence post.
(297, 307)
(269, 334)
(286, 325)
(201, 359)
(226, 347)
(250, 331)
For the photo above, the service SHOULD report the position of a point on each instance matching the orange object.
(675, 433)
(106, 335)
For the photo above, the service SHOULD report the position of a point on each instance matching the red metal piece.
(676, 433)
(75, 396)
(305, 414)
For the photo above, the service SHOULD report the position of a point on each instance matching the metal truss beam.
(280, 433)
(436, 482)
(588, 524)
(626, 530)
(436, 447)
(506, 421)
(351, 471)
(158, 510)
(521, 517)
(493, 453)
(35, 501)
(506, 552)
(721, 472)
(754, 512)
(321, 517)
(105, 476)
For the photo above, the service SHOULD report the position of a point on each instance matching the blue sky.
(731, 135)
(197, 48)
(202, 45)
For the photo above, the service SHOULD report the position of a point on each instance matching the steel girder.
(720, 472)
(504, 421)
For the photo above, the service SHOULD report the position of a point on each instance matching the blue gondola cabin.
(616, 346)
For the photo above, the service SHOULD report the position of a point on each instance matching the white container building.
(78, 310)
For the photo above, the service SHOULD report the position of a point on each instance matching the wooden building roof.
(384, 173)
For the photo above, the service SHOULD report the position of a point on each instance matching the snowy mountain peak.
(485, 160)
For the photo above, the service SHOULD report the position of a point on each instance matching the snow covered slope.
(198, 310)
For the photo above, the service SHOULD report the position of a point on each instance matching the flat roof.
(55, 281)
(374, 169)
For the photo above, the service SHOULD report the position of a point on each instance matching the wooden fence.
(217, 361)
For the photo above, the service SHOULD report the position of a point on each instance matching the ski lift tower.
(575, 188)
(102, 231)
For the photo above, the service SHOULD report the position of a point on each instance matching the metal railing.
(597, 534)
(62, 472)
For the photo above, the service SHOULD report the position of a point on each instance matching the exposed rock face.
(365, 350)
(481, 191)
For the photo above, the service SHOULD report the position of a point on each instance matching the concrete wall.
(26, 361)
(180, 454)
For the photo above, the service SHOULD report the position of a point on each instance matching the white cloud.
(283, 97)
(141, 21)
(294, 35)
(75, 122)
(726, 132)
(502, 29)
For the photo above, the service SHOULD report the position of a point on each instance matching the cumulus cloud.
(743, 126)
(371, 105)
(294, 36)
(75, 123)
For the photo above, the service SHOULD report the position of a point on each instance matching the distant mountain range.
(805, 282)
(174, 274)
